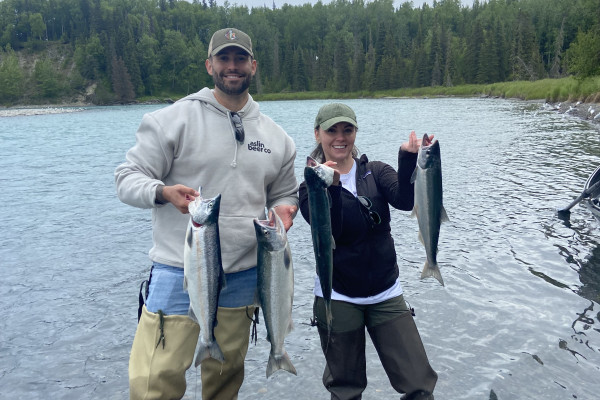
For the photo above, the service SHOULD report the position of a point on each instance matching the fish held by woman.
(318, 178)
(428, 207)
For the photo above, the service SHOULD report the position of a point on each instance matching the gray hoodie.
(192, 143)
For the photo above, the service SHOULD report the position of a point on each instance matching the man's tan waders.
(223, 381)
(161, 355)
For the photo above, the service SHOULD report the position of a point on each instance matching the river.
(517, 319)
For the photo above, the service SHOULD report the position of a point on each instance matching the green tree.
(38, 27)
(12, 78)
(121, 81)
(91, 58)
(47, 79)
(149, 63)
(174, 55)
(584, 54)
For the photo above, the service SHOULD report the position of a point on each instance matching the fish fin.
(413, 178)
(432, 271)
(421, 239)
(415, 212)
(444, 216)
(211, 351)
(290, 327)
(332, 242)
(185, 284)
(284, 363)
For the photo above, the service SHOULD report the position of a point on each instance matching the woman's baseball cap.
(331, 114)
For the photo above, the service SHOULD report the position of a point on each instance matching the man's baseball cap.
(229, 37)
(331, 114)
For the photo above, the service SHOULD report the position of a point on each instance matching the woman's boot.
(345, 375)
(403, 357)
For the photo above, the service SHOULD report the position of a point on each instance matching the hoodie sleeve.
(146, 164)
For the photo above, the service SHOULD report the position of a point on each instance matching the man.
(216, 139)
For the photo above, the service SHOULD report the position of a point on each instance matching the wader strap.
(161, 317)
(254, 333)
(142, 297)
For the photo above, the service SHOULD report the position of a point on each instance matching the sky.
(279, 3)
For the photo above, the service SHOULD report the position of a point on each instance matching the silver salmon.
(429, 208)
(318, 178)
(275, 288)
(203, 272)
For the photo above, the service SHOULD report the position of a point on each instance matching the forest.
(132, 49)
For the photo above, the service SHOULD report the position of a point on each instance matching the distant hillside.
(114, 51)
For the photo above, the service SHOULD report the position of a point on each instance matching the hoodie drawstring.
(234, 161)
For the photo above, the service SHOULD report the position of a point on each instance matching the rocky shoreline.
(39, 110)
(586, 111)
(68, 107)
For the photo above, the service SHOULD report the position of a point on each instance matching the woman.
(366, 288)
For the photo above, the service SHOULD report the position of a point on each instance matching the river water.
(517, 319)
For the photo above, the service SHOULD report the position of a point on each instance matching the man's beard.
(220, 83)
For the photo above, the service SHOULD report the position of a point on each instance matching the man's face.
(232, 70)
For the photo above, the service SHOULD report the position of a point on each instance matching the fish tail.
(280, 363)
(432, 270)
(207, 351)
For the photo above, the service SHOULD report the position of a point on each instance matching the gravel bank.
(16, 112)
(587, 111)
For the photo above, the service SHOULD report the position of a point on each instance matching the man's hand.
(178, 195)
(287, 214)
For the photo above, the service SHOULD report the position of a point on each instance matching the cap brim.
(332, 121)
(224, 46)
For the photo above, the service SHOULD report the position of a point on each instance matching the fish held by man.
(428, 207)
(204, 277)
(275, 275)
(318, 178)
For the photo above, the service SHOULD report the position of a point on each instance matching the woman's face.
(337, 141)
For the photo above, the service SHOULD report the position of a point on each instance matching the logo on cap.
(230, 35)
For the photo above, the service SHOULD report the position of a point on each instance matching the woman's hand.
(336, 173)
(413, 144)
